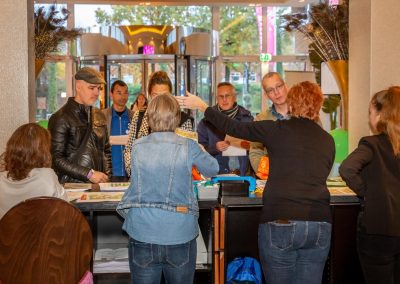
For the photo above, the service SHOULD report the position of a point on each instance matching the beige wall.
(14, 67)
(374, 58)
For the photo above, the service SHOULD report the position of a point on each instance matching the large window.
(239, 34)
(240, 43)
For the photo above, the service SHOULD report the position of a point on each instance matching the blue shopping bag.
(244, 270)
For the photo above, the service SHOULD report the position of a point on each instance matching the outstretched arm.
(192, 102)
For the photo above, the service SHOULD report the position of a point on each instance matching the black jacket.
(301, 155)
(68, 127)
(373, 172)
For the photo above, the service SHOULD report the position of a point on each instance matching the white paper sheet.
(234, 149)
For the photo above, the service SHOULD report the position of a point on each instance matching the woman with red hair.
(295, 224)
(26, 168)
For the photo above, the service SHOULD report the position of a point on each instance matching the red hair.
(305, 100)
(27, 148)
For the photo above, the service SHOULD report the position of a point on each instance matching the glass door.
(201, 81)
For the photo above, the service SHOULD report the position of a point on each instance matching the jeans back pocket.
(282, 235)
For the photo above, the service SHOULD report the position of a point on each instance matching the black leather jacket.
(68, 127)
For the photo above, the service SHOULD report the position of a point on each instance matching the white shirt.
(39, 182)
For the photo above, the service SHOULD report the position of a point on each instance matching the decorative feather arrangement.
(50, 30)
(325, 26)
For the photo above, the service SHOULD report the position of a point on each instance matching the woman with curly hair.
(26, 168)
(295, 223)
(373, 172)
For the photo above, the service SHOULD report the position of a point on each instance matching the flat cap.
(89, 75)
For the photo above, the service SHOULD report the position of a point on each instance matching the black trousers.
(379, 257)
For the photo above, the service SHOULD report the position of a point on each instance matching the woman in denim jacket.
(159, 207)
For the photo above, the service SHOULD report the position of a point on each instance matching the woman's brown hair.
(387, 103)
(27, 148)
(159, 78)
(305, 100)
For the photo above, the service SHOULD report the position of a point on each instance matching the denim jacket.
(161, 166)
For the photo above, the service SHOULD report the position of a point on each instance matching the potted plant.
(327, 29)
(50, 31)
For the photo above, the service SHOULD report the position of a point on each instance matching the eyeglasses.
(222, 97)
(275, 90)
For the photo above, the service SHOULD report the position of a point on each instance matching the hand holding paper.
(235, 148)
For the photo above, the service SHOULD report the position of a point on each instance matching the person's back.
(301, 155)
(26, 171)
(160, 207)
(372, 170)
(295, 225)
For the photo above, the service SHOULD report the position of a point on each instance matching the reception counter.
(229, 227)
(238, 219)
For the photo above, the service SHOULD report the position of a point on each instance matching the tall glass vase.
(340, 71)
(39, 63)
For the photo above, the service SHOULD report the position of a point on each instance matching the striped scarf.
(231, 113)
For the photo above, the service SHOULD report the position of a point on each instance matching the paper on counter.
(114, 186)
(119, 139)
(72, 186)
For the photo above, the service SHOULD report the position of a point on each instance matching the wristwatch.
(90, 174)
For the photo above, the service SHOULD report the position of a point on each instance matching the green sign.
(265, 57)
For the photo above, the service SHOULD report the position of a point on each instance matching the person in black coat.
(80, 144)
(295, 224)
(373, 172)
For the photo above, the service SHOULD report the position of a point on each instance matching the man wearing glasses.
(214, 141)
(80, 143)
(276, 90)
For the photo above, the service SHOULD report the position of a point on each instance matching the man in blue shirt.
(118, 119)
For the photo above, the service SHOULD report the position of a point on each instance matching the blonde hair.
(305, 100)
(163, 114)
(387, 103)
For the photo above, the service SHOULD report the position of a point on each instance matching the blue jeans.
(148, 261)
(294, 252)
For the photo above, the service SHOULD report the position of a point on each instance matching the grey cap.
(89, 75)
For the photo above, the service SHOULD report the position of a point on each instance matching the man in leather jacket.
(80, 143)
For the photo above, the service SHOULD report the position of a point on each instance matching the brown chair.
(44, 240)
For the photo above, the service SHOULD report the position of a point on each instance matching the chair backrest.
(44, 240)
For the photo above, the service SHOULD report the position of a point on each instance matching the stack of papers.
(201, 250)
(114, 186)
(69, 187)
(109, 260)
(336, 182)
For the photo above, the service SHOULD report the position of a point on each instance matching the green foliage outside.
(199, 16)
(238, 31)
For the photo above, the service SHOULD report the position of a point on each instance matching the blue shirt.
(119, 126)
(277, 115)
